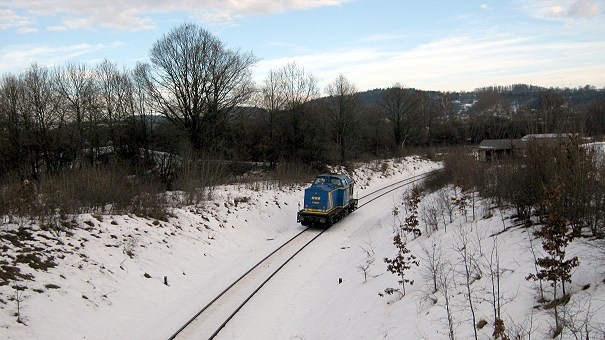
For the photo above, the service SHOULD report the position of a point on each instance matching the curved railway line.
(211, 319)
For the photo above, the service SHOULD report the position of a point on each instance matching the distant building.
(499, 149)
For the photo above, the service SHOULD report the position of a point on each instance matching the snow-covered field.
(98, 291)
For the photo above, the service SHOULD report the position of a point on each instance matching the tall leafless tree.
(298, 88)
(271, 98)
(342, 105)
(197, 81)
(141, 122)
(550, 108)
(445, 105)
(400, 105)
(283, 94)
(467, 254)
(11, 123)
(43, 117)
(433, 257)
(112, 89)
(74, 82)
(427, 113)
(445, 285)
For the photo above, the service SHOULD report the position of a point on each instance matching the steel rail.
(397, 185)
(233, 284)
(263, 283)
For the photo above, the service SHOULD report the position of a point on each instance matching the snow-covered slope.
(98, 291)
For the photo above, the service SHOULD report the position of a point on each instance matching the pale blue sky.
(430, 45)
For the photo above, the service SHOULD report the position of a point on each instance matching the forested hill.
(517, 95)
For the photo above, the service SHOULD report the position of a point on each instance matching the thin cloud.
(10, 19)
(132, 14)
(56, 28)
(381, 37)
(20, 57)
(584, 9)
(564, 9)
(27, 29)
(455, 63)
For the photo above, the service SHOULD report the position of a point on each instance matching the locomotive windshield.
(335, 181)
(319, 180)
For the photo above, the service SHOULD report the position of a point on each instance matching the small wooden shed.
(498, 149)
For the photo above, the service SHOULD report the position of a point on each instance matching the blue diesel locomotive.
(327, 200)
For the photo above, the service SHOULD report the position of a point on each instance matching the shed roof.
(500, 144)
(548, 136)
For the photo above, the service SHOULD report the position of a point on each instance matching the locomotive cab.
(328, 199)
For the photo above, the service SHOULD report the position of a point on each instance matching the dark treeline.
(196, 98)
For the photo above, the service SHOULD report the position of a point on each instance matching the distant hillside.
(518, 95)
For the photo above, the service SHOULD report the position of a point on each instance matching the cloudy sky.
(430, 45)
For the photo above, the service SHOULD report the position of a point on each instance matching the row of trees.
(53, 118)
(497, 113)
(197, 94)
(557, 187)
(571, 170)
(557, 192)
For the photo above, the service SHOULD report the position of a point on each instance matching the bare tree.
(535, 256)
(75, 85)
(447, 204)
(497, 298)
(446, 283)
(434, 263)
(523, 329)
(342, 104)
(43, 116)
(272, 99)
(197, 82)
(299, 86)
(429, 214)
(19, 298)
(490, 102)
(139, 108)
(114, 92)
(428, 113)
(551, 106)
(368, 249)
(461, 202)
(283, 96)
(467, 255)
(445, 104)
(11, 123)
(399, 105)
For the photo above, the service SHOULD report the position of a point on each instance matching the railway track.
(368, 198)
(211, 319)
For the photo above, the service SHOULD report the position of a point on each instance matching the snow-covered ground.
(98, 291)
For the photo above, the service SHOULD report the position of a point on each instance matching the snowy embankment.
(111, 281)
